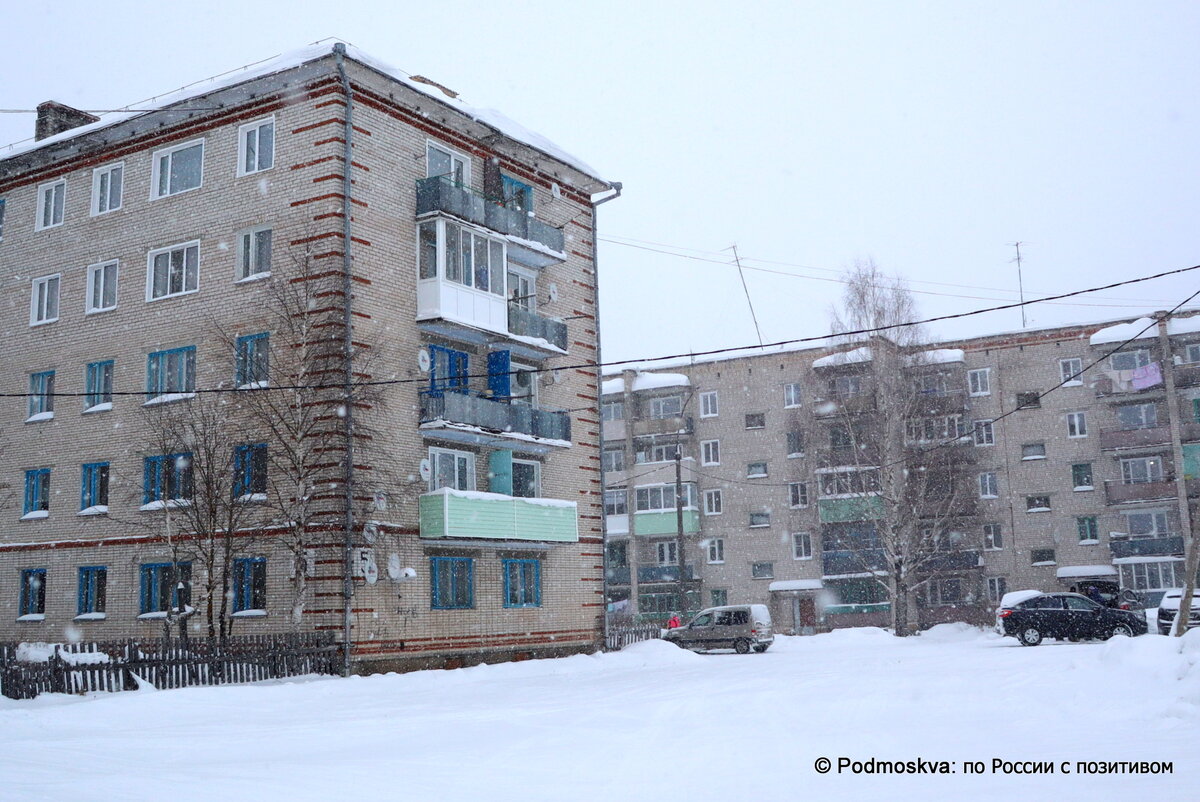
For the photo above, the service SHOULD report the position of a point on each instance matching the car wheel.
(1121, 629)
(741, 646)
(760, 649)
(1030, 636)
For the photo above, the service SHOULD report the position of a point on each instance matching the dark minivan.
(1067, 616)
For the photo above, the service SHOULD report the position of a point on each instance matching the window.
(37, 494)
(791, 395)
(1029, 400)
(841, 438)
(1041, 556)
(517, 194)
(1137, 416)
(249, 584)
(612, 459)
(993, 539)
(441, 161)
(254, 254)
(102, 287)
(659, 498)
(1071, 371)
(1141, 470)
(43, 301)
(448, 370)
(106, 188)
(177, 169)
(716, 550)
(253, 357)
(1076, 424)
(469, 258)
(719, 598)
(164, 587)
(452, 583)
(526, 478)
(1087, 529)
(931, 384)
(1128, 360)
(709, 407)
(51, 204)
(1033, 451)
(997, 586)
(522, 583)
(798, 494)
(171, 375)
(173, 271)
(93, 587)
(33, 592)
(452, 469)
(762, 570)
(943, 592)
(756, 470)
(710, 452)
(756, 420)
(845, 386)
(1037, 504)
(850, 483)
(980, 381)
(41, 396)
(712, 502)
(668, 552)
(250, 472)
(98, 381)
(618, 554)
(656, 452)
(941, 427)
(801, 546)
(1151, 523)
(166, 480)
(614, 502)
(666, 407)
(989, 487)
(795, 443)
(612, 410)
(256, 147)
(760, 519)
(1193, 349)
(1153, 575)
(984, 436)
(93, 488)
(1081, 476)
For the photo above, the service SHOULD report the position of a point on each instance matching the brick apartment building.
(449, 268)
(1095, 480)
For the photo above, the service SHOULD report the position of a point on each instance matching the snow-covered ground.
(651, 722)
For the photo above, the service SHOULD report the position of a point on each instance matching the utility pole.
(1020, 282)
(1185, 516)
(738, 261)
(679, 528)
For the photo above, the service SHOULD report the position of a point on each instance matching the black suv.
(1066, 616)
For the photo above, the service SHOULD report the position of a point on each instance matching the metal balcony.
(853, 561)
(664, 573)
(1122, 493)
(1114, 439)
(440, 194)
(1147, 547)
(961, 560)
(496, 417)
(618, 575)
(526, 323)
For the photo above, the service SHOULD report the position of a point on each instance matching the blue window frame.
(253, 360)
(522, 583)
(167, 478)
(33, 591)
(452, 583)
(250, 470)
(517, 194)
(41, 393)
(37, 490)
(93, 587)
(170, 372)
(99, 384)
(249, 584)
(448, 369)
(93, 490)
(160, 586)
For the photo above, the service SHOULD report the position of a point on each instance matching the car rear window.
(1042, 603)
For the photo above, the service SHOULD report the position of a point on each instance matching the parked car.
(1168, 609)
(741, 627)
(1069, 616)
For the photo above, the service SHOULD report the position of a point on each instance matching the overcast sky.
(927, 136)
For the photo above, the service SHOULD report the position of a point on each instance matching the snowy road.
(652, 722)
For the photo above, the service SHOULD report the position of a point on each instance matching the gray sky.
(927, 136)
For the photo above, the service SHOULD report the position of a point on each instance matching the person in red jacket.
(674, 621)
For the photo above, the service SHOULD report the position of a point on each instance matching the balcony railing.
(450, 513)
(1122, 493)
(1187, 375)
(939, 401)
(834, 404)
(1147, 547)
(960, 560)
(675, 424)
(1105, 386)
(853, 561)
(618, 575)
(664, 573)
(495, 416)
(526, 323)
(440, 194)
(1111, 439)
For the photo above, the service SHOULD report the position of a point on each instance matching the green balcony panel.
(470, 515)
(845, 510)
(1191, 461)
(663, 523)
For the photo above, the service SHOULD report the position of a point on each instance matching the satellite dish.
(370, 532)
(553, 292)
(426, 470)
(423, 360)
(370, 569)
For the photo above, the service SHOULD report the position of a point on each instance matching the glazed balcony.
(460, 514)
(1122, 493)
(539, 242)
(471, 414)
(940, 402)
(1116, 439)
(664, 573)
(1146, 547)
(839, 562)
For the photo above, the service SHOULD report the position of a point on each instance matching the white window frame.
(435, 451)
(39, 303)
(768, 571)
(98, 177)
(1148, 465)
(1155, 516)
(992, 484)
(792, 395)
(1141, 356)
(667, 552)
(1192, 353)
(794, 494)
(169, 153)
(710, 406)
(990, 531)
(537, 475)
(255, 127)
(710, 452)
(1076, 425)
(1069, 367)
(1153, 575)
(247, 256)
(453, 154)
(982, 432)
(93, 304)
(802, 546)
(1029, 451)
(168, 250)
(657, 406)
(750, 520)
(58, 206)
(979, 382)
(713, 502)
(766, 470)
(609, 410)
(604, 459)
(716, 551)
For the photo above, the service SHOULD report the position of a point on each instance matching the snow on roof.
(796, 584)
(612, 386)
(844, 358)
(1017, 596)
(941, 356)
(294, 58)
(1072, 571)
(645, 381)
(1183, 325)
(1126, 331)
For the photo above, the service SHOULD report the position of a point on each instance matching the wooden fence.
(620, 636)
(162, 663)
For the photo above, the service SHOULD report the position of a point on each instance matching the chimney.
(54, 118)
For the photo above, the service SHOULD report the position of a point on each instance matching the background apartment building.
(1091, 479)
(443, 273)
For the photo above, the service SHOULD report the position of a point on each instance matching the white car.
(1168, 608)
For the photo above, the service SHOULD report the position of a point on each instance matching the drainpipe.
(339, 54)
(616, 185)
